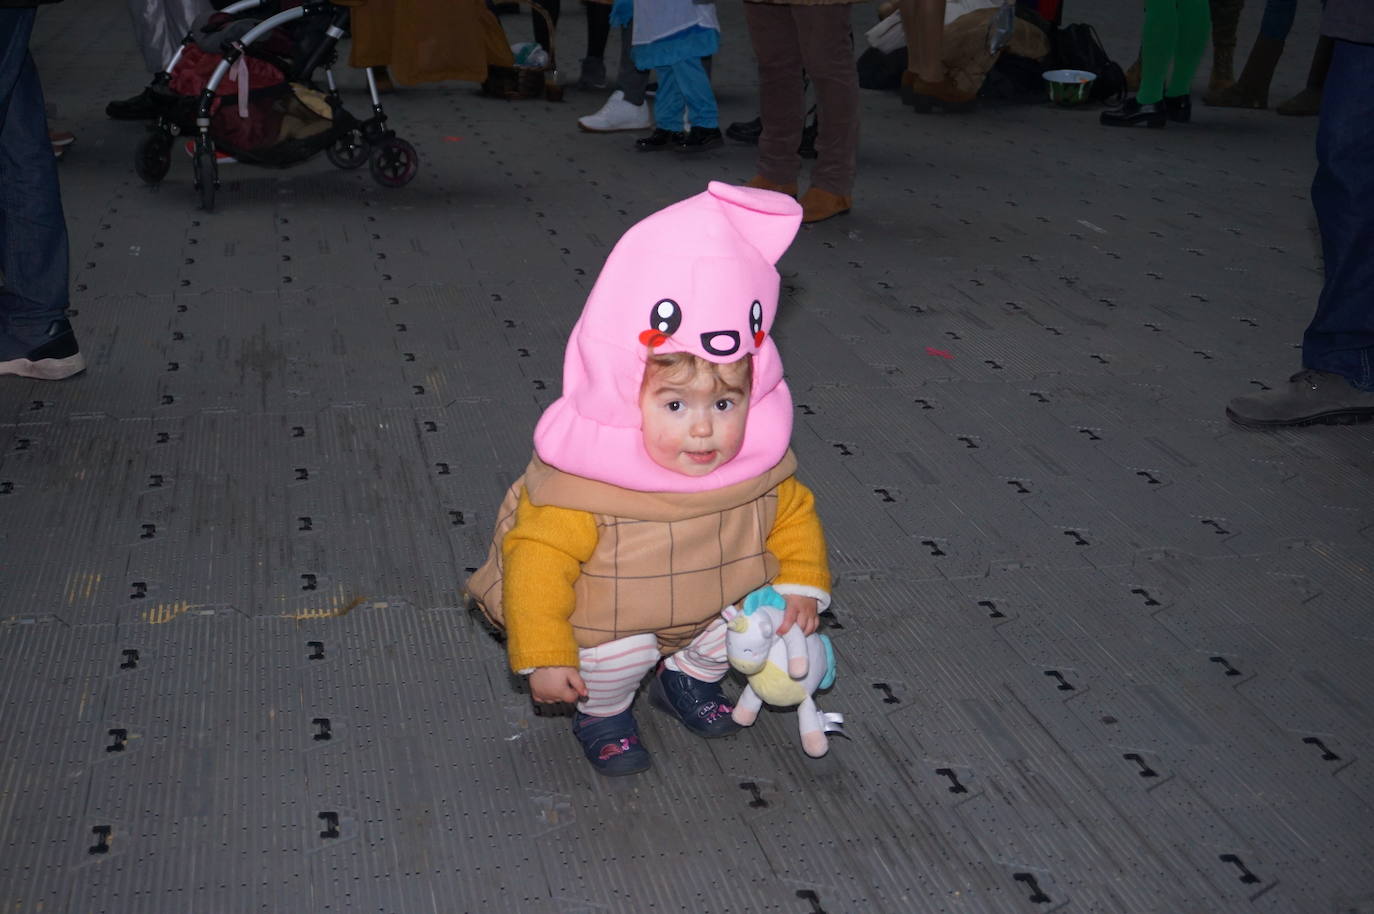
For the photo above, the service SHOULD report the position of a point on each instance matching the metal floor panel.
(1099, 649)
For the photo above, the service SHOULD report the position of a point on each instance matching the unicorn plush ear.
(764, 596)
(768, 220)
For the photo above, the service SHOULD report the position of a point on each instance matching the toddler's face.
(692, 425)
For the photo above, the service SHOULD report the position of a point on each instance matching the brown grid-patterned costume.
(663, 563)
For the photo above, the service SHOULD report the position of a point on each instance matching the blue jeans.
(1340, 338)
(33, 232)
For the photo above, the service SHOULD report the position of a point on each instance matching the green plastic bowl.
(1069, 87)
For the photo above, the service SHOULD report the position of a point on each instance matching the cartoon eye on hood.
(664, 319)
(756, 322)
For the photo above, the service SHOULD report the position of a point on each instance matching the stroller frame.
(393, 161)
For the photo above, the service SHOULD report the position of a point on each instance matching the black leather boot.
(1179, 108)
(1133, 114)
(699, 139)
(659, 140)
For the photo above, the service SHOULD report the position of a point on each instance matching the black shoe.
(56, 357)
(1133, 114)
(701, 706)
(659, 140)
(1179, 108)
(612, 744)
(699, 139)
(145, 106)
(745, 131)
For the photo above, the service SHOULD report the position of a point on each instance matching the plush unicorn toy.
(782, 670)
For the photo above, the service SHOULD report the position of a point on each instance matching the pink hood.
(695, 277)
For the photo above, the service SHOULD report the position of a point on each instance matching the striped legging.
(612, 671)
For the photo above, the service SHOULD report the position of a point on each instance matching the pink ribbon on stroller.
(239, 72)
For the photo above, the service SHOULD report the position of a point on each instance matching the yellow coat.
(617, 562)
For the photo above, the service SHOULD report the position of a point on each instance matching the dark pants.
(634, 83)
(1340, 338)
(816, 39)
(33, 233)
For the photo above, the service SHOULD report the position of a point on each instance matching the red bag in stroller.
(255, 111)
(243, 115)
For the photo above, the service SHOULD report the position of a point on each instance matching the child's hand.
(804, 611)
(554, 684)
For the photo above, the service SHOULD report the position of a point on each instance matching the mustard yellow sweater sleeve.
(798, 540)
(543, 555)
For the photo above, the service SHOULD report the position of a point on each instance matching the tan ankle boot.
(763, 183)
(819, 205)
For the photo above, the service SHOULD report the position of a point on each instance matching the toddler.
(673, 37)
(662, 487)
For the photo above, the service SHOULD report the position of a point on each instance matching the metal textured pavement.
(1099, 650)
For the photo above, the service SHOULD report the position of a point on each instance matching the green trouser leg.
(1194, 30)
(1175, 38)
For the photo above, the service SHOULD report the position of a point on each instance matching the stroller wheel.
(348, 151)
(153, 157)
(394, 162)
(207, 176)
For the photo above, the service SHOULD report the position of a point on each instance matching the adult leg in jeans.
(1337, 383)
(773, 33)
(1340, 338)
(36, 339)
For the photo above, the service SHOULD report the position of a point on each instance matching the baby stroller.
(241, 87)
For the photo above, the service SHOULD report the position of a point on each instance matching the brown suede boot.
(1308, 102)
(1133, 76)
(819, 205)
(763, 183)
(945, 95)
(1252, 89)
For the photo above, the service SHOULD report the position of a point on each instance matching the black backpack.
(1077, 47)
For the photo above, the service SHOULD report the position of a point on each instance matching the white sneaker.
(617, 114)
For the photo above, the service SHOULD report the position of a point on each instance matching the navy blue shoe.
(612, 743)
(701, 706)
